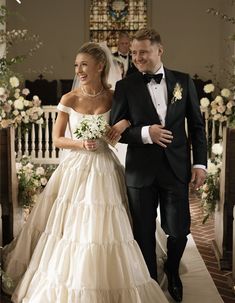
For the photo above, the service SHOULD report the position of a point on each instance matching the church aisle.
(203, 236)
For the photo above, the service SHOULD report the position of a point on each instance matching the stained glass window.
(109, 17)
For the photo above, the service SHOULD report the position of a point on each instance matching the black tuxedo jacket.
(133, 102)
(131, 67)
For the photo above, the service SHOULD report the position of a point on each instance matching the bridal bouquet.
(93, 127)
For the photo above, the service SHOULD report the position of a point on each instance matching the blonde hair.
(97, 52)
(148, 34)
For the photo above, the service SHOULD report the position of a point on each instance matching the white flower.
(26, 103)
(221, 109)
(225, 92)
(204, 195)
(15, 112)
(230, 104)
(177, 93)
(35, 98)
(40, 171)
(14, 82)
(43, 181)
(18, 167)
(2, 91)
(211, 168)
(209, 88)
(19, 104)
(217, 149)
(25, 91)
(40, 121)
(219, 100)
(204, 102)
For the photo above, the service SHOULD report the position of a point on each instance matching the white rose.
(16, 95)
(209, 88)
(18, 166)
(219, 100)
(204, 195)
(40, 171)
(18, 104)
(221, 109)
(217, 149)
(230, 104)
(26, 103)
(23, 113)
(14, 82)
(225, 92)
(204, 102)
(15, 112)
(25, 91)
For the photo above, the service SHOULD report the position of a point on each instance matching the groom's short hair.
(148, 34)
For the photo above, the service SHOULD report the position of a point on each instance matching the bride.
(77, 245)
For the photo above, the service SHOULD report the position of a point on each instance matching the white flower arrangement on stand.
(210, 190)
(222, 107)
(16, 109)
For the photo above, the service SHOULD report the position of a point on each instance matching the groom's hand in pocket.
(160, 135)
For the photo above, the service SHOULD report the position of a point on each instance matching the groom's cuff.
(199, 166)
(146, 139)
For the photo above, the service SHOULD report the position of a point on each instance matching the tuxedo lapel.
(170, 83)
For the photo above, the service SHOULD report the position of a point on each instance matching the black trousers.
(168, 192)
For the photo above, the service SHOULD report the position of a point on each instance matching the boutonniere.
(177, 93)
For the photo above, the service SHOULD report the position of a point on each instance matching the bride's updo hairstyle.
(98, 53)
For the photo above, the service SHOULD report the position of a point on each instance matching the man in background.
(123, 55)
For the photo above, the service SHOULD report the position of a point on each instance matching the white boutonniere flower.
(177, 93)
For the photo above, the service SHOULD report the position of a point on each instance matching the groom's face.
(146, 56)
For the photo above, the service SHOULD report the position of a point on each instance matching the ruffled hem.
(48, 292)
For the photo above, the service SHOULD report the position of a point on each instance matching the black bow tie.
(123, 56)
(149, 77)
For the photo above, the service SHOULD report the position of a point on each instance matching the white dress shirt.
(158, 93)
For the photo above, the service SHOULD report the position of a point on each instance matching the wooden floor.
(203, 236)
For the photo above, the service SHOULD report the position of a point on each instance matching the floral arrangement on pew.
(31, 180)
(209, 192)
(222, 107)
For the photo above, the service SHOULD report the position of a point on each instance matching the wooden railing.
(37, 143)
(39, 146)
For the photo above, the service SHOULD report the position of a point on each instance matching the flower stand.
(224, 243)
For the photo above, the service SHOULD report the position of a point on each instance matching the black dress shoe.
(175, 286)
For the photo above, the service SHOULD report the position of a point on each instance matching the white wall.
(192, 38)
(61, 27)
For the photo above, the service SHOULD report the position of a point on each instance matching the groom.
(157, 101)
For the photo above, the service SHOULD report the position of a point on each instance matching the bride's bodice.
(74, 119)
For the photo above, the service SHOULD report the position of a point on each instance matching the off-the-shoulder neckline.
(83, 114)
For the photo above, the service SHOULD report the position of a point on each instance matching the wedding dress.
(77, 245)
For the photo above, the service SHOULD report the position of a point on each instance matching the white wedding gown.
(77, 245)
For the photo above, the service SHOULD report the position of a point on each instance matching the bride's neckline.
(83, 114)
